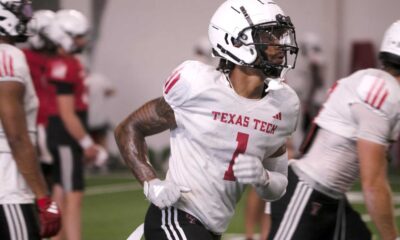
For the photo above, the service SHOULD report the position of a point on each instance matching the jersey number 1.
(242, 140)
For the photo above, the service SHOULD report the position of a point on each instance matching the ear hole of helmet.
(235, 42)
(21, 28)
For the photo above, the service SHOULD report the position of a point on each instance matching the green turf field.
(114, 205)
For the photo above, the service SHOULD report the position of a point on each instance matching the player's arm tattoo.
(153, 117)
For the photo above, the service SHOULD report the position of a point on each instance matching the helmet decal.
(246, 16)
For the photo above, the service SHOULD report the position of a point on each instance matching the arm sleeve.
(371, 126)
(277, 169)
(60, 73)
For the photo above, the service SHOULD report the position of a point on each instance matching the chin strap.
(270, 71)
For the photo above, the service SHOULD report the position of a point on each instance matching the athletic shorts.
(306, 214)
(173, 224)
(68, 168)
(19, 222)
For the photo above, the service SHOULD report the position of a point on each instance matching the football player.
(36, 56)
(353, 131)
(21, 180)
(228, 126)
(68, 139)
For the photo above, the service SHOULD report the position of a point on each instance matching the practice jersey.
(13, 67)
(332, 159)
(66, 70)
(214, 125)
(37, 65)
(376, 89)
(66, 76)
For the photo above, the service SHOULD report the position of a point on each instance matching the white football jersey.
(214, 125)
(377, 89)
(13, 67)
(332, 159)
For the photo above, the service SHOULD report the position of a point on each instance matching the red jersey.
(37, 64)
(66, 70)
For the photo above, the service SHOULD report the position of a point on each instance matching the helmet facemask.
(276, 46)
(80, 42)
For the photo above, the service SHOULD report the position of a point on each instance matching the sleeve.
(296, 117)
(375, 93)
(58, 74)
(13, 66)
(294, 113)
(277, 168)
(371, 126)
(177, 87)
(57, 70)
(63, 88)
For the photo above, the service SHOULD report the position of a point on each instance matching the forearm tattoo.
(153, 117)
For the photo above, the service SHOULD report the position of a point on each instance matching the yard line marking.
(112, 188)
(137, 233)
(367, 218)
(357, 197)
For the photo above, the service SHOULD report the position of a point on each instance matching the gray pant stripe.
(177, 224)
(299, 211)
(66, 162)
(171, 227)
(22, 222)
(163, 225)
(293, 209)
(17, 222)
(10, 222)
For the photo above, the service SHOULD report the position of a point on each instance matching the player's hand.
(101, 157)
(249, 170)
(163, 193)
(90, 153)
(49, 217)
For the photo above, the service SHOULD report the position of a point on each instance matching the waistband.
(216, 236)
(316, 185)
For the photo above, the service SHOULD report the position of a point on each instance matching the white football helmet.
(14, 17)
(240, 31)
(390, 48)
(40, 20)
(67, 25)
